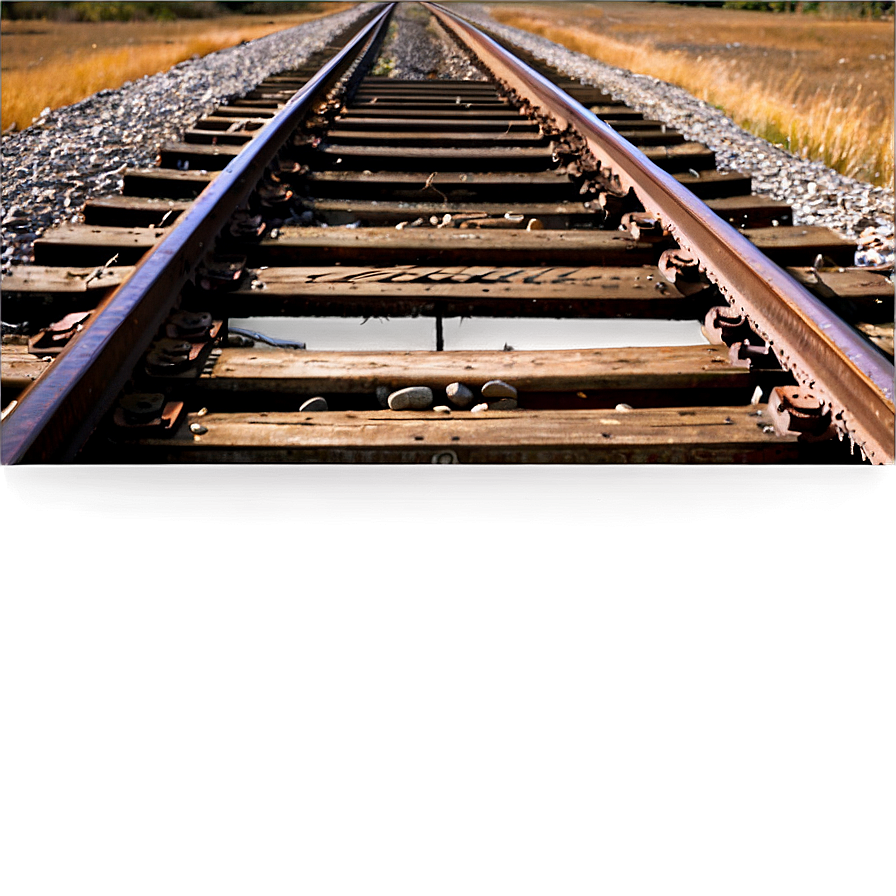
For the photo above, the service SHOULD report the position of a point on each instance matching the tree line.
(825, 9)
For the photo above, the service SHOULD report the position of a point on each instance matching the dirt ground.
(28, 44)
(820, 87)
(53, 64)
(829, 54)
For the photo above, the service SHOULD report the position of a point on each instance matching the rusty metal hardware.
(568, 150)
(169, 356)
(799, 411)
(141, 407)
(613, 202)
(244, 225)
(53, 339)
(273, 196)
(147, 411)
(754, 354)
(288, 169)
(815, 345)
(57, 413)
(682, 270)
(315, 123)
(725, 326)
(644, 226)
(302, 141)
(189, 324)
(222, 272)
(189, 335)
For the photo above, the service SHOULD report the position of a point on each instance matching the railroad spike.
(723, 325)
(794, 410)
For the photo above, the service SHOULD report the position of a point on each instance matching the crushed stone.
(817, 194)
(79, 152)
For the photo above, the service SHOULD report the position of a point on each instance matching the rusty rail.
(822, 351)
(56, 415)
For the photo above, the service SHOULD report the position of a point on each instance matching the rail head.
(57, 414)
(821, 350)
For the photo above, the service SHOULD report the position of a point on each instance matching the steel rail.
(57, 414)
(822, 351)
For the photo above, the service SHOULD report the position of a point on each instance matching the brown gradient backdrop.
(449, 681)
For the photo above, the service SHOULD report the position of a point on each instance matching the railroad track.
(524, 196)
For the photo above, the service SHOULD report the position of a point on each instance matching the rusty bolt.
(273, 194)
(246, 226)
(752, 353)
(643, 226)
(141, 407)
(611, 202)
(793, 409)
(191, 323)
(725, 326)
(681, 269)
(223, 272)
(169, 356)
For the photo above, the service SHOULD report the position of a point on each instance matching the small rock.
(442, 409)
(498, 389)
(479, 408)
(459, 395)
(414, 398)
(503, 404)
(314, 404)
(198, 429)
(623, 407)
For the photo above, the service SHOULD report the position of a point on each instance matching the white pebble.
(442, 409)
(479, 408)
(623, 407)
(498, 389)
(414, 398)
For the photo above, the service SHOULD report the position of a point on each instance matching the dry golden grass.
(58, 63)
(823, 89)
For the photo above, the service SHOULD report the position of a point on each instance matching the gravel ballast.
(418, 48)
(817, 194)
(79, 152)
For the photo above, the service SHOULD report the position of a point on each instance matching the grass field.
(58, 63)
(821, 87)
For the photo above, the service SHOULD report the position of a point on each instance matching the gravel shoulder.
(80, 151)
(418, 48)
(818, 195)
